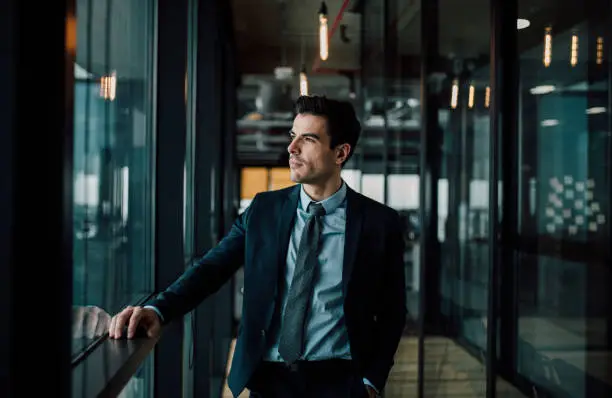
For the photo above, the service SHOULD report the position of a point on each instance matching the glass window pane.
(113, 163)
(564, 322)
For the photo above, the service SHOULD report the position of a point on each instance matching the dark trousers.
(333, 378)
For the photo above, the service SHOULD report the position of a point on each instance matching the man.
(324, 294)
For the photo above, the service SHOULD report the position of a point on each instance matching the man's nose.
(293, 147)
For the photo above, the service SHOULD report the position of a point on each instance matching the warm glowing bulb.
(599, 50)
(108, 86)
(323, 39)
(547, 47)
(487, 96)
(303, 83)
(455, 94)
(471, 97)
(574, 53)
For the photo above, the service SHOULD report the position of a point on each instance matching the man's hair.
(342, 124)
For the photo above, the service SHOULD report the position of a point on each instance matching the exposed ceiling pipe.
(317, 61)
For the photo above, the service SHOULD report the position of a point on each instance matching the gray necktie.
(291, 342)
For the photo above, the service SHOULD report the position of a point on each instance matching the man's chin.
(294, 177)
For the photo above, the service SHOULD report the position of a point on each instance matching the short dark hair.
(342, 124)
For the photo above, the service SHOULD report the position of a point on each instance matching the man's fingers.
(121, 321)
(111, 327)
(134, 321)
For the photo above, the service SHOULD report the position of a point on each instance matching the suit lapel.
(354, 220)
(285, 224)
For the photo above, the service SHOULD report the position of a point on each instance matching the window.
(564, 326)
(113, 160)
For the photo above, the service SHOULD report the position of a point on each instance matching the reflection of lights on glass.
(550, 123)
(600, 50)
(454, 94)
(595, 110)
(323, 36)
(487, 96)
(522, 23)
(574, 53)
(108, 86)
(547, 47)
(413, 102)
(303, 82)
(545, 89)
(471, 97)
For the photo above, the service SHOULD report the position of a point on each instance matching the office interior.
(134, 132)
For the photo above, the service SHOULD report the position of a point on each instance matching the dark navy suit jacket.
(373, 280)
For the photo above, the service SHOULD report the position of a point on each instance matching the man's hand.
(133, 318)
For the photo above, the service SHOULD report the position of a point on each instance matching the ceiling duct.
(274, 99)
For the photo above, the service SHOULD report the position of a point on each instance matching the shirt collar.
(329, 204)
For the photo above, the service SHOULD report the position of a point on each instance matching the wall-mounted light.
(303, 81)
(323, 35)
(547, 47)
(574, 51)
(108, 86)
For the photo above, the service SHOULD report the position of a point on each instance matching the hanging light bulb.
(547, 47)
(303, 82)
(323, 36)
(455, 94)
(574, 51)
(471, 97)
(487, 97)
(599, 50)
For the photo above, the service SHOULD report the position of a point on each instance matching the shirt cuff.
(368, 383)
(161, 317)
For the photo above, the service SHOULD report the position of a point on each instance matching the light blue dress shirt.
(325, 331)
(326, 335)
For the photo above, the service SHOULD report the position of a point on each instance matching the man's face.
(311, 159)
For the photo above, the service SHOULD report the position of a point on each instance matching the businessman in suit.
(324, 294)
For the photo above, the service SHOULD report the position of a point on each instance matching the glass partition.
(564, 321)
(113, 157)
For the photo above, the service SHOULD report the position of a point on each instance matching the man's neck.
(319, 192)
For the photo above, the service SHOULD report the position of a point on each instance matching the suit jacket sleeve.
(207, 275)
(391, 314)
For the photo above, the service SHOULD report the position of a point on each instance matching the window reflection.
(564, 322)
(112, 160)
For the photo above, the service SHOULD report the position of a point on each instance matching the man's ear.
(342, 153)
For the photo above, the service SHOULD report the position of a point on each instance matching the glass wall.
(113, 160)
(564, 307)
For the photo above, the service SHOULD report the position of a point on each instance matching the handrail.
(108, 368)
(79, 356)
